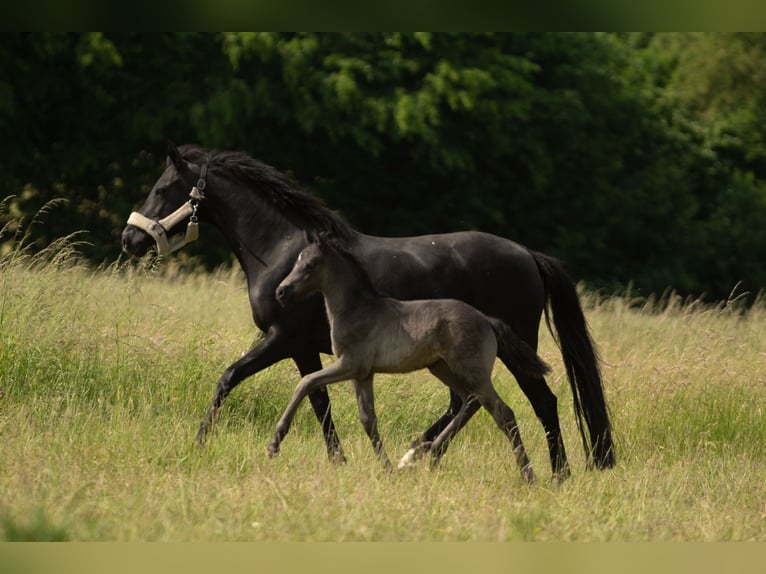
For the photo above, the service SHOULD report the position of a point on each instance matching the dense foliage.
(634, 157)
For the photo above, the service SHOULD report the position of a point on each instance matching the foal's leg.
(365, 400)
(418, 448)
(423, 443)
(320, 402)
(335, 372)
(439, 445)
(506, 420)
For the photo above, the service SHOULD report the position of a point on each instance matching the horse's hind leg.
(544, 403)
(365, 399)
(506, 420)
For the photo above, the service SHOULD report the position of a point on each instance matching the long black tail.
(524, 357)
(580, 360)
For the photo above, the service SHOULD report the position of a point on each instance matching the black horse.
(265, 217)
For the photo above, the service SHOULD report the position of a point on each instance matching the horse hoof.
(337, 458)
(416, 452)
(409, 459)
(528, 474)
(558, 478)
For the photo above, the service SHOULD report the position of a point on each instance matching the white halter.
(159, 229)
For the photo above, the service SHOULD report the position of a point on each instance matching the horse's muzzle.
(284, 294)
(136, 241)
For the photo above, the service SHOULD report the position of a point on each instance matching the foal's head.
(324, 264)
(307, 276)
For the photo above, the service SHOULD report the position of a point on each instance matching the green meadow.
(106, 373)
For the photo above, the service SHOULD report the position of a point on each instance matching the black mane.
(284, 192)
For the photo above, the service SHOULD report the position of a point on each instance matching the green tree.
(633, 157)
(87, 112)
(716, 85)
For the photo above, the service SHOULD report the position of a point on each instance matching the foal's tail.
(580, 360)
(518, 351)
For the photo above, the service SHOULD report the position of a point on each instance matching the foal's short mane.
(281, 190)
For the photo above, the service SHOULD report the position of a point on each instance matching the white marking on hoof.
(408, 459)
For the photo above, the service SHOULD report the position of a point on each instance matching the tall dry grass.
(105, 374)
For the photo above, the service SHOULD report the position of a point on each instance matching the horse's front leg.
(365, 400)
(272, 349)
(320, 402)
(334, 373)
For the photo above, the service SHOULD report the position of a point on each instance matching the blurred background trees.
(633, 157)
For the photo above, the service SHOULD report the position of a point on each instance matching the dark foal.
(372, 333)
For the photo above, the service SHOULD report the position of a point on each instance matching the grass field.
(105, 375)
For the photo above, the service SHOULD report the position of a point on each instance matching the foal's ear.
(322, 239)
(175, 156)
(314, 237)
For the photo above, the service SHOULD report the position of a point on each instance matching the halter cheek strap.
(159, 229)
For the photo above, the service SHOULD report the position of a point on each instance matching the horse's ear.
(175, 156)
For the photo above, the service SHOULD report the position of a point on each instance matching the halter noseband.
(159, 229)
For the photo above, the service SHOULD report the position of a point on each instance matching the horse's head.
(171, 205)
(307, 274)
